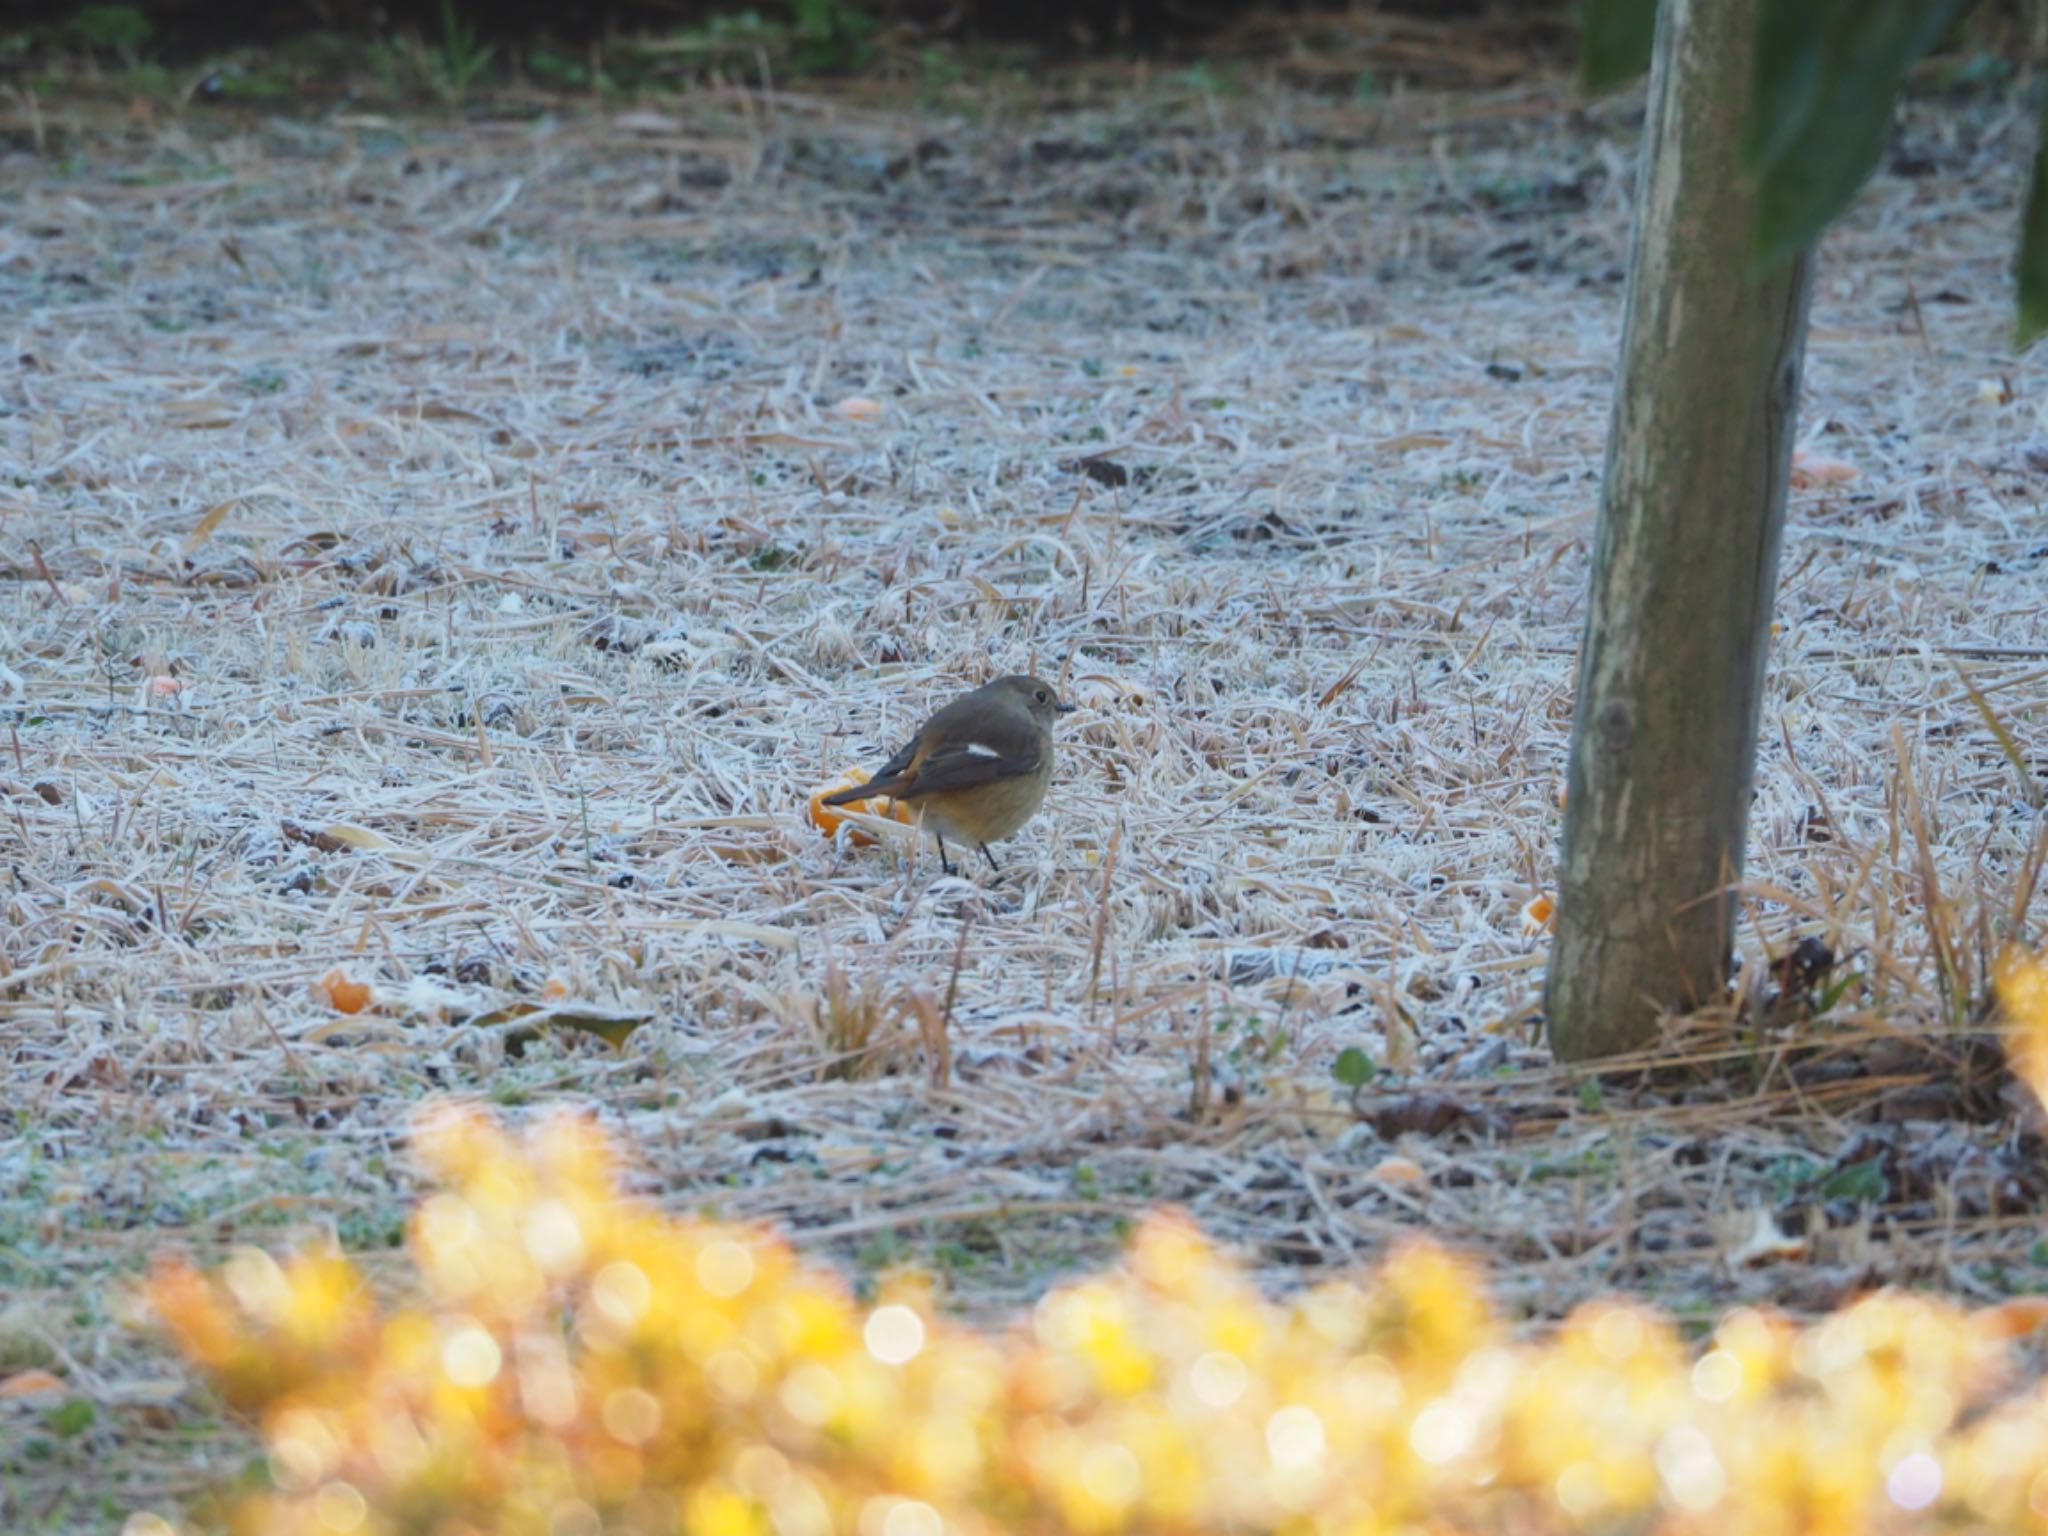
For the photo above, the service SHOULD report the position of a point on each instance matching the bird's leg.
(992, 864)
(944, 863)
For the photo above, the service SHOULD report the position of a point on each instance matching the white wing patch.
(976, 749)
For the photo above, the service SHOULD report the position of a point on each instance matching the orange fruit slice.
(828, 818)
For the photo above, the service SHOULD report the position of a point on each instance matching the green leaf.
(1826, 75)
(2033, 262)
(122, 28)
(1790, 58)
(1614, 41)
(69, 1419)
(614, 1027)
(1354, 1068)
(1835, 991)
(1863, 1182)
(1789, 1175)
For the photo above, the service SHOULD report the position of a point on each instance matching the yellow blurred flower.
(2023, 990)
(573, 1361)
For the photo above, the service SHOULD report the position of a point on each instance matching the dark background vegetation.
(178, 31)
(320, 54)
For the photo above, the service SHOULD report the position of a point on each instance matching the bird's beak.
(1065, 709)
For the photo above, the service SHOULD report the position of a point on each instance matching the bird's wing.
(905, 756)
(967, 764)
(1007, 747)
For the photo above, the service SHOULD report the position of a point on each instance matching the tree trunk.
(1685, 563)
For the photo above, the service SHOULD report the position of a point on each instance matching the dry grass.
(481, 489)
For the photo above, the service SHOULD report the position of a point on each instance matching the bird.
(978, 769)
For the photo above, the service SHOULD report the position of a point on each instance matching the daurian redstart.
(978, 769)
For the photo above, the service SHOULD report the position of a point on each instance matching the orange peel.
(343, 993)
(828, 818)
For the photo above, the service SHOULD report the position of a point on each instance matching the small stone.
(1485, 1058)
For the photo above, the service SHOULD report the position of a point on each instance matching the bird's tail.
(867, 791)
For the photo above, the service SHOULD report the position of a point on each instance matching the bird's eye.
(1041, 695)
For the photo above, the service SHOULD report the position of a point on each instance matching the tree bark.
(1685, 563)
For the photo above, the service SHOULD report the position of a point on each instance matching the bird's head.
(1036, 695)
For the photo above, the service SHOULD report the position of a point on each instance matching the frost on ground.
(444, 557)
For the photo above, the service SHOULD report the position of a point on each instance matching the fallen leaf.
(29, 1383)
(311, 837)
(613, 1026)
(357, 837)
(1102, 471)
(209, 520)
(1398, 1170)
(200, 414)
(829, 818)
(1812, 469)
(747, 853)
(1429, 1114)
(1765, 1243)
